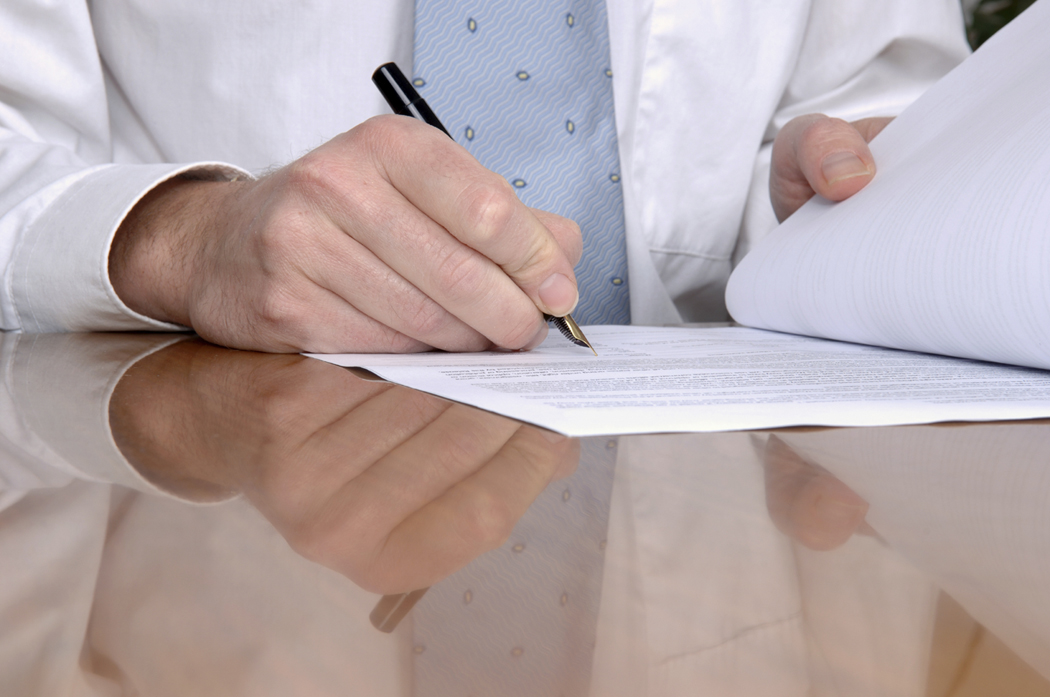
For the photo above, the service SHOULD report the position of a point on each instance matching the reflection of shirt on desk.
(698, 590)
(969, 504)
(703, 595)
(211, 601)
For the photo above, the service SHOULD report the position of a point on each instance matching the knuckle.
(424, 318)
(287, 497)
(389, 138)
(313, 172)
(490, 208)
(489, 521)
(274, 307)
(279, 240)
(452, 453)
(382, 128)
(276, 413)
(419, 408)
(460, 274)
(320, 534)
(539, 257)
(823, 130)
(281, 315)
(314, 541)
(376, 133)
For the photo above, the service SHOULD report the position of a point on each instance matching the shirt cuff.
(62, 278)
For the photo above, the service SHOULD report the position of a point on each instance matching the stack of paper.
(946, 252)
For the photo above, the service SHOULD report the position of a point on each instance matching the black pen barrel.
(402, 96)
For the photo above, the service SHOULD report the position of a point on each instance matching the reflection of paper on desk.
(653, 380)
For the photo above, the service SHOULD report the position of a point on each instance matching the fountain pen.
(404, 100)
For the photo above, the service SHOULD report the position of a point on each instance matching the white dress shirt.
(101, 100)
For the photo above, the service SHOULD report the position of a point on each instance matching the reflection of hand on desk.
(203, 592)
(393, 488)
(808, 503)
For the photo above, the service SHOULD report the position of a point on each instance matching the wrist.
(154, 252)
(155, 419)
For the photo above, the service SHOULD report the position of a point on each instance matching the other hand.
(388, 238)
(816, 154)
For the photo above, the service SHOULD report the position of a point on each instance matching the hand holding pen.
(389, 237)
(404, 100)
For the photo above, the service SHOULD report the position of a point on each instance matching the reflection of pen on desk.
(403, 99)
(391, 609)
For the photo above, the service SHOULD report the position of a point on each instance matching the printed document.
(947, 251)
(657, 380)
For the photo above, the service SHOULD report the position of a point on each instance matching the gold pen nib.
(568, 327)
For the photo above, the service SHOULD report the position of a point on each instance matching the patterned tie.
(520, 621)
(526, 87)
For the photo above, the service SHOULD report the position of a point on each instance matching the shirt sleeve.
(62, 195)
(858, 59)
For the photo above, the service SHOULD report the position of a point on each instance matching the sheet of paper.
(948, 249)
(657, 380)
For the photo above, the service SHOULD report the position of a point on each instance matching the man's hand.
(393, 488)
(815, 154)
(389, 237)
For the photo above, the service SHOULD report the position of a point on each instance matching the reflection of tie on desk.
(521, 619)
(527, 89)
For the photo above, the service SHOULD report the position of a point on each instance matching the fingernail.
(558, 295)
(842, 165)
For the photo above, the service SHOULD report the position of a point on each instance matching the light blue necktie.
(526, 87)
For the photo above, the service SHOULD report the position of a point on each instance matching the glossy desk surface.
(180, 519)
